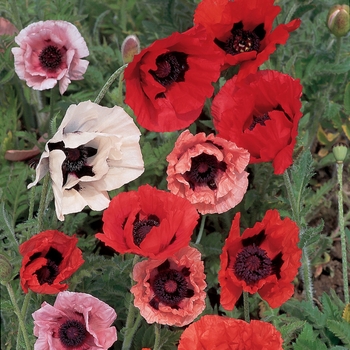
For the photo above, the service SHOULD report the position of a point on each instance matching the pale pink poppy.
(209, 171)
(96, 149)
(170, 291)
(76, 321)
(50, 52)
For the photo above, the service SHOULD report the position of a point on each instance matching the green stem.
(291, 197)
(305, 268)
(31, 203)
(201, 229)
(131, 324)
(306, 274)
(246, 306)
(42, 204)
(156, 336)
(109, 82)
(338, 49)
(342, 232)
(19, 316)
(24, 311)
(120, 89)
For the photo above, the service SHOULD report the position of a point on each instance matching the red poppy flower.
(208, 171)
(219, 332)
(168, 82)
(243, 30)
(49, 258)
(261, 114)
(148, 222)
(170, 291)
(265, 259)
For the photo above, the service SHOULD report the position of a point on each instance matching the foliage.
(311, 55)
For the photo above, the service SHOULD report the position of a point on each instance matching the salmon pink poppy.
(76, 321)
(49, 258)
(242, 29)
(264, 259)
(148, 222)
(209, 171)
(261, 114)
(167, 83)
(224, 333)
(170, 291)
(50, 52)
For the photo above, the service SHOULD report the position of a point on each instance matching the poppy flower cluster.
(49, 258)
(264, 259)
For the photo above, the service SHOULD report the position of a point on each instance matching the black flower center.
(142, 227)
(204, 170)
(171, 67)
(170, 286)
(259, 120)
(48, 273)
(76, 159)
(72, 333)
(242, 40)
(252, 264)
(50, 57)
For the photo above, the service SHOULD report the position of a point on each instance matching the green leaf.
(310, 235)
(341, 329)
(308, 340)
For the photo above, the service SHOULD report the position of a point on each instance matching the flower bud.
(346, 313)
(338, 20)
(5, 269)
(340, 151)
(130, 48)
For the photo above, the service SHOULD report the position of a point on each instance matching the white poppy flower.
(96, 149)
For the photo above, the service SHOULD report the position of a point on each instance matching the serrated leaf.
(340, 329)
(310, 235)
(212, 244)
(307, 340)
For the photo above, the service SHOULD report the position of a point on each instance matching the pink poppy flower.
(76, 321)
(208, 171)
(170, 291)
(50, 52)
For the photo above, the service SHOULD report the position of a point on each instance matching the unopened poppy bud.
(340, 152)
(130, 48)
(346, 313)
(5, 269)
(338, 20)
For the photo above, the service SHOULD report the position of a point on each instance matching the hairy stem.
(246, 306)
(109, 82)
(305, 268)
(19, 316)
(42, 204)
(342, 232)
(131, 325)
